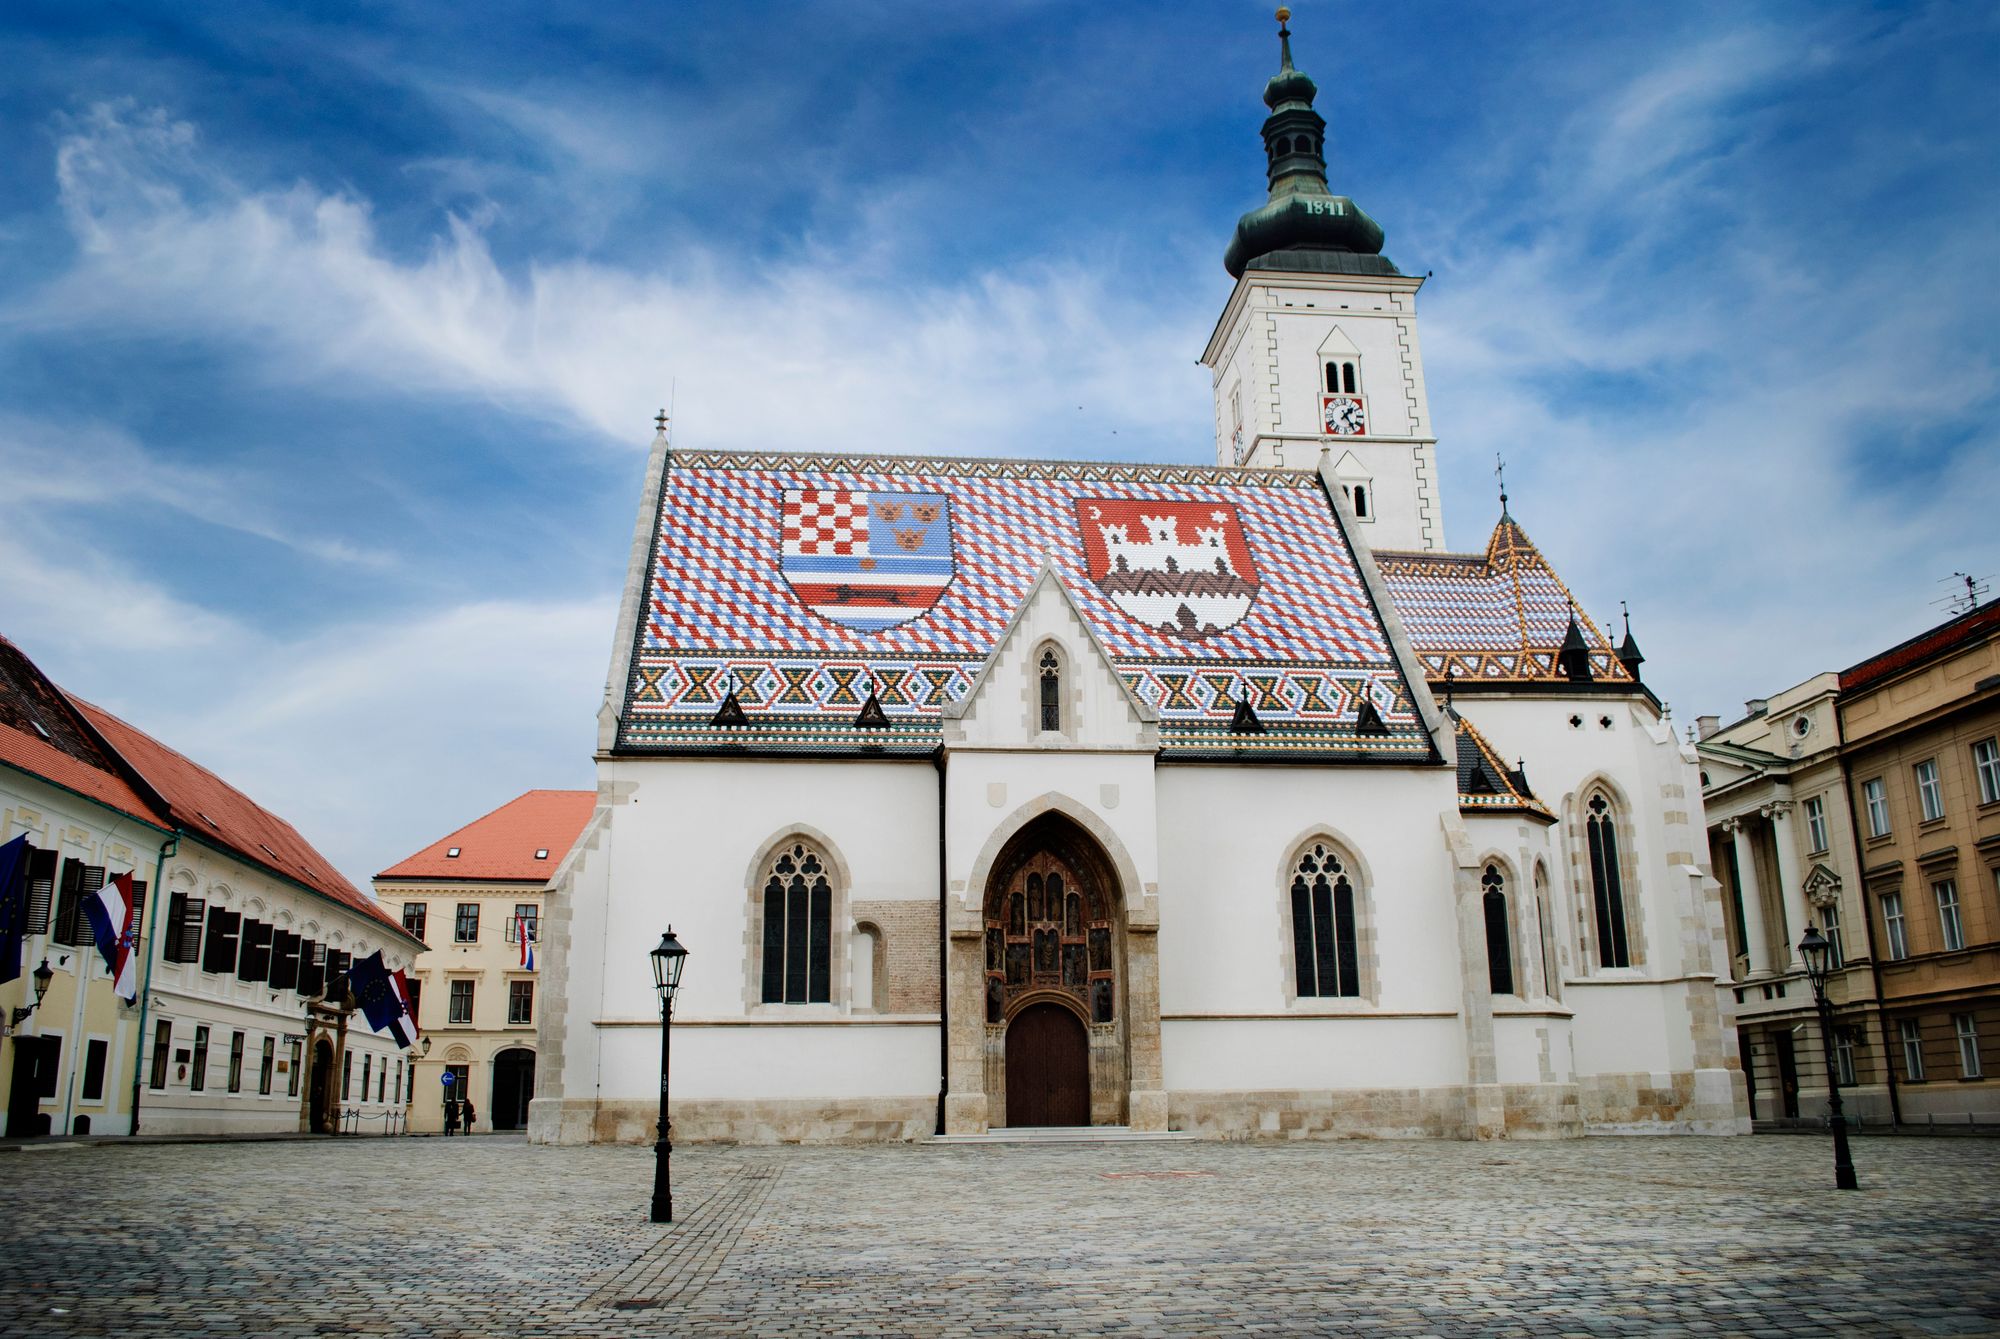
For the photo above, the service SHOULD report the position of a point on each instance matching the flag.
(385, 1003)
(527, 944)
(404, 1029)
(13, 905)
(110, 911)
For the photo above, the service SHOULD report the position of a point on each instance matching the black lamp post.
(42, 975)
(668, 959)
(1817, 954)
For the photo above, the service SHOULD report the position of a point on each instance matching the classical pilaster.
(1756, 943)
(1791, 887)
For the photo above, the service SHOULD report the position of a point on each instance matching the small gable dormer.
(1049, 683)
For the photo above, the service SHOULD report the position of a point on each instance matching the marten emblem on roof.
(1181, 568)
(866, 560)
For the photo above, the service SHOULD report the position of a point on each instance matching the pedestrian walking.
(467, 1116)
(450, 1117)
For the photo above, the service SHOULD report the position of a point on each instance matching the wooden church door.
(1048, 1068)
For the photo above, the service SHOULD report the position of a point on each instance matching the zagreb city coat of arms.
(866, 560)
(1181, 568)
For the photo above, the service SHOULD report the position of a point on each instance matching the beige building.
(475, 899)
(1868, 803)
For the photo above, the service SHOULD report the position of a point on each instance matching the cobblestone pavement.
(491, 1236)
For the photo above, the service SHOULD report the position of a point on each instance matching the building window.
(1325, 954)
(414, 916)
(416, 1002)
(95, 1053)
(1341, 378)
(798, 929)
(399, 1080)
(525, 922)
(382, 1080)
(1948, 920)
(1986, 762)
(461, 1003)
(265, 1066)
(1963, 1027)
(1875, 798)
(41, 890)
(346, 1075)
(467, 929)
(198, 1067)
(1816, 823)
(1607, 883)
(79, 882)
(1836, 951)
(163, 1051)
(184, 919)
(1843, 1056)
(367, 1065)
(292, 1072)
(218, 951)
(236, 1062)
(1892, 923)
(1913, 1049)
(520, 1001)
(1930, 794)
(1499, 953)
(1050, 671)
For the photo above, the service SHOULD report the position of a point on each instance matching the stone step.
(1061, 1134)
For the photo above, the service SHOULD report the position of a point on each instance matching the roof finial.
(1500, 473)
(660, 421)
(1626, 610)
(1284, 37)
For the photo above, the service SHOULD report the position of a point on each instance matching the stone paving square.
(492, 1236)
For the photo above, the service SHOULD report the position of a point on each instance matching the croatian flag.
(404, 1028)
(112, 911)
(527, 944)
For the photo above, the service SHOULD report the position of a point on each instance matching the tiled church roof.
(805, 582)
(1485, 783)
(1495, 617)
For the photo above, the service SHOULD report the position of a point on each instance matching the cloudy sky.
(330, 340)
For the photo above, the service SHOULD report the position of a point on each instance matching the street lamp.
(43, 976)
(668, 960)
(1817, 953)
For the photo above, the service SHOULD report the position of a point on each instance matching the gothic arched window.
(1547, 933)
(798, 928)
(1499, 932)
(1324, 952)
(1050, 673)
(1607, 883)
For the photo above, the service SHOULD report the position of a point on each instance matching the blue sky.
(330, 336)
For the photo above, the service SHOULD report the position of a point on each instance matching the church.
(1222, 799)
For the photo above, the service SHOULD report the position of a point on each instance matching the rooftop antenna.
(1966, 600)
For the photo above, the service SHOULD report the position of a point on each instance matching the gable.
(807, 582)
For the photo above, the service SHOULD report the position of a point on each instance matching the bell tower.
(1316, 351)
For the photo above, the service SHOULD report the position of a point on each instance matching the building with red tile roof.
(476, 897)
(242, 926)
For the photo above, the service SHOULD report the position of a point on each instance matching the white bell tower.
(1317, 349)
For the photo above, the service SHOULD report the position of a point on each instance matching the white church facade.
(1219, 799)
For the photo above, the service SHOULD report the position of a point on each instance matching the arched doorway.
(513, 1087)
(321, 1091)
(1048, 1067)
(1053, 954)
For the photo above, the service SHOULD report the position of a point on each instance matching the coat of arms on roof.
(863, 559)
(1181, 568)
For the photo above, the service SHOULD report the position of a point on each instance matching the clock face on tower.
(1342, 416)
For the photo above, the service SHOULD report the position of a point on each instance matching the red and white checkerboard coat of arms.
(1181, 568)
(867, 560)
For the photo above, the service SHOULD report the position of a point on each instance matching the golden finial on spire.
(1284, 14)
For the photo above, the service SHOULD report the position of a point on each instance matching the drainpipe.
(944, 952)
(1874, 958)
(170, 847)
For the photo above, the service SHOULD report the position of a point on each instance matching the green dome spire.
(1304, 225)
